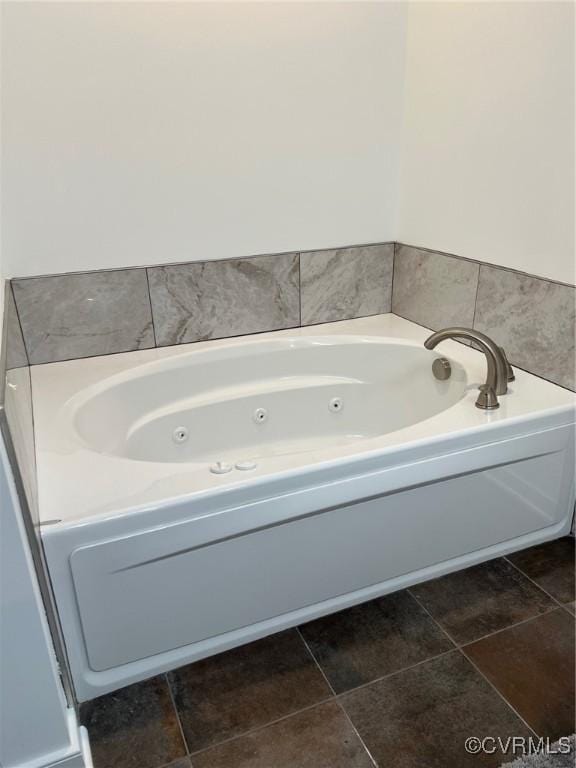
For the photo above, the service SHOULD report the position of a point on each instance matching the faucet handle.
(487, 399)
(509, 370)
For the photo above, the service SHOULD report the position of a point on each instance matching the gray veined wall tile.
(15, 350)
(18, 402)
(346, 283)
(81, 315)
(19, 416)
(215, 299)
(433, 289)
(532, 318)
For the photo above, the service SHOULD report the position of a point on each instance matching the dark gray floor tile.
(229, 694)
(551, 566)
(571, 607)
(533, 667)
(183, 762)
(483, 599)
(371, 640)
(135, 727)
(321, 737)
(421, 717)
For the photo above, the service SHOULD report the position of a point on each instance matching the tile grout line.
(476, 295)
(437, 623)
(474, 349)
(511, 626)
(530, 579)
(462, 653)
(296, 250)
(180, 728)
(338, 702)
(18, 318)
(461, 646)
(396, 672)
(496, 631)
(394, 248)
(337, 696)
(257, 728)
(501, 695)
(172, 763)
(455, 646)
(332, 698)
(355, 730)
(147, 271)
(299, 290)
(218, 338)
(486, 264)
(308, 325)
(315, 660)
(272, 254)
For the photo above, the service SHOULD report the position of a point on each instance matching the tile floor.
(399, 682)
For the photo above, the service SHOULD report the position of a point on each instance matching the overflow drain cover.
(245, 465)
(221, 468)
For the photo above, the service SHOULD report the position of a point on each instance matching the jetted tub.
(198, 497)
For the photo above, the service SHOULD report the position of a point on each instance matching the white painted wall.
(139, 133)
(488, 152)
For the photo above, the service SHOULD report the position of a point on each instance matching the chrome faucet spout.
(496, 363)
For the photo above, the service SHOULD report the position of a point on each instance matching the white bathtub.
(352, 472)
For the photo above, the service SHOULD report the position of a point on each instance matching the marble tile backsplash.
(80, 315)
(96, 313)
(16, 356)
(531, 317)
(99, 313)
(433, 289)
(215, 299)
(346, 283)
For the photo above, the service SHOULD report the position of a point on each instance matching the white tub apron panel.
(159, 590)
